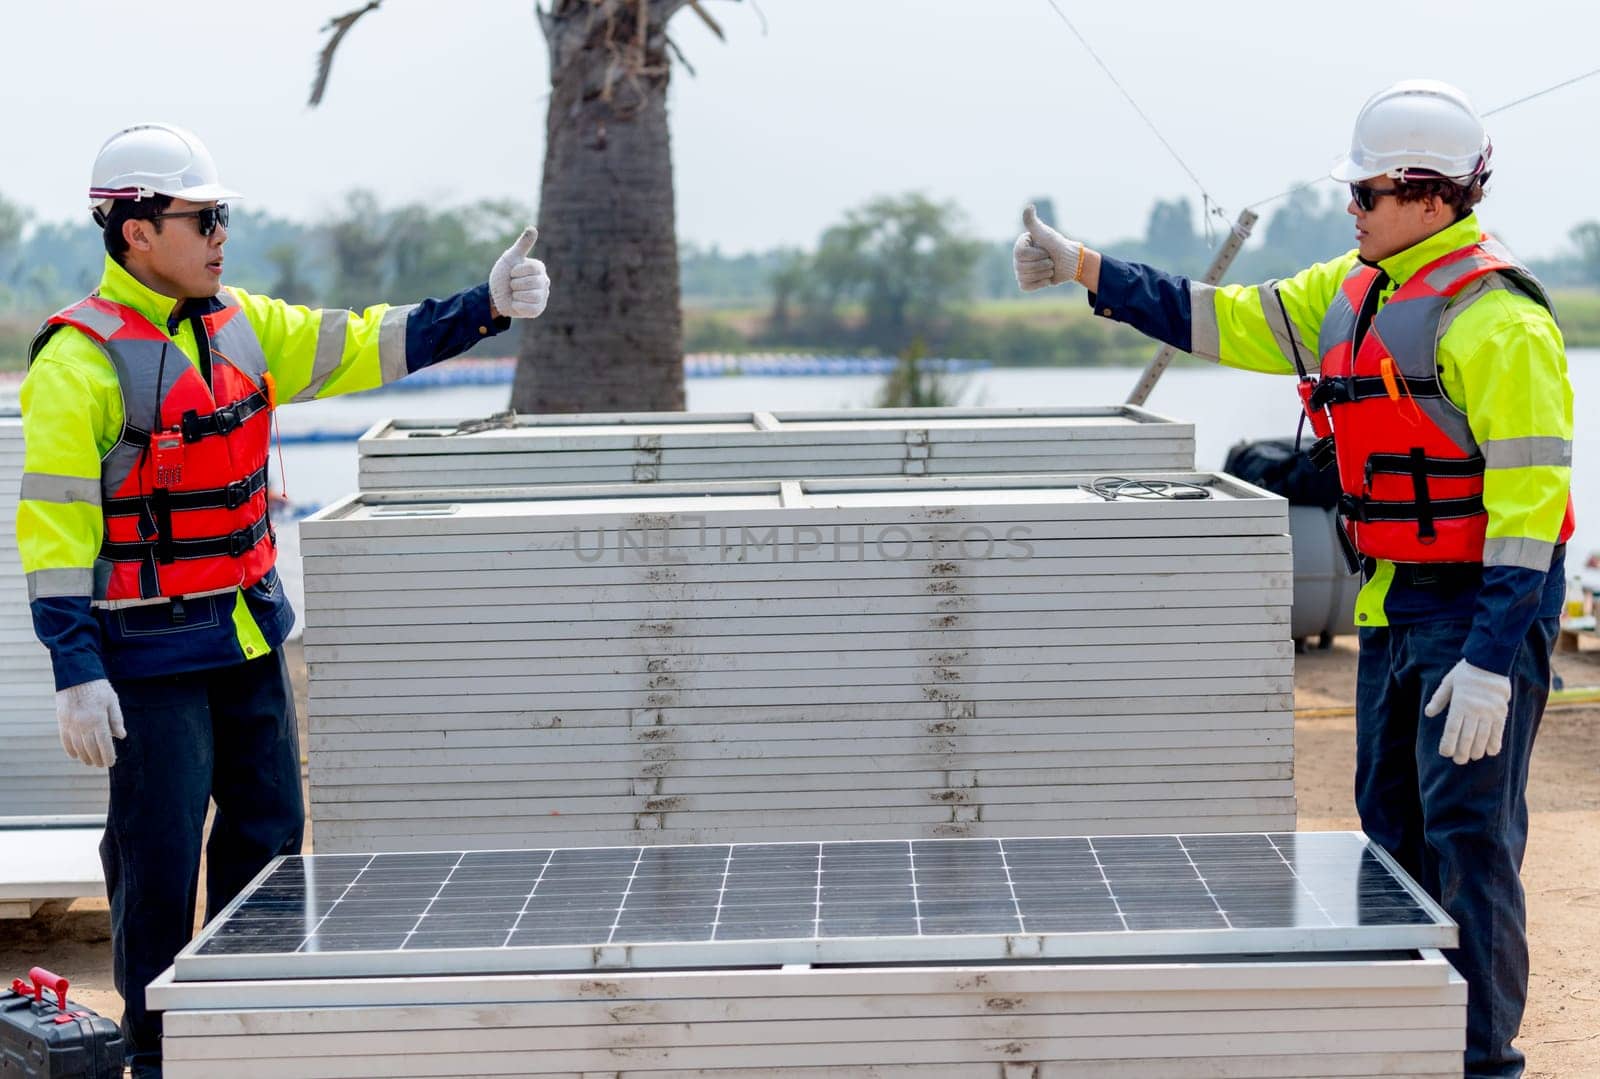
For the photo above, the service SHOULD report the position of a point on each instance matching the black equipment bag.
(1280, 466)
(54, 1039)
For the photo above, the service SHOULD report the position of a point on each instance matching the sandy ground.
(1561, 1033)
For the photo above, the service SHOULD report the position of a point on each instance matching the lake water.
(1225, 406)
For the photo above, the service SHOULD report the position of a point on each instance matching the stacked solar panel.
(37, 779)
(1239, 956)
(704, 448)
(796, 661)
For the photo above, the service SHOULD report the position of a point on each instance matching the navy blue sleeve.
(1152, 301)
(66, 625)
(439, 329)
(1509, 600)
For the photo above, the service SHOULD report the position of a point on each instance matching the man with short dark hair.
(1433, 369)
(145, 537)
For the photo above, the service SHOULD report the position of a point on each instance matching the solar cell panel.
(764, 904)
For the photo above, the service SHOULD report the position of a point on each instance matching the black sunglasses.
(1366, 197)
(206, 220)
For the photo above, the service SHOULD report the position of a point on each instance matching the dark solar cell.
(600, 897)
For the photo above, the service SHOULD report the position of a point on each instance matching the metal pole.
(1219, 266)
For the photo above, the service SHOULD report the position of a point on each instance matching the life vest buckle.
(240, 543)
(1332, 390)
(227, 419)
(236, 494)
(1353, 508)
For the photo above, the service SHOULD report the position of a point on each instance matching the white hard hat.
(154, 159)
(1419, 125)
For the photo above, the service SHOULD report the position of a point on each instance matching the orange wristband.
(1077, 271)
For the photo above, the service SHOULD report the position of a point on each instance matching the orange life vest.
(1409, 467)
(184, 489)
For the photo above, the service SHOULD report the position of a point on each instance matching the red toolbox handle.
(42, 980)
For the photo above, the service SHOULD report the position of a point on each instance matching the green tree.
(13, 219)
(289, 282)
(359, 247)
(791, 285)
(1586, 238)
(904, 259)
(916, 383)
(1170, 239)
(432, 252)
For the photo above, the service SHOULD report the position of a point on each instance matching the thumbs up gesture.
(518, 285)
(1042, 256)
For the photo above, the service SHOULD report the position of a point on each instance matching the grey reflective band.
(237, 342)
(1283, 332)
(1338, 326)
(99, 322)
(1527, 453)
(1467, 297)
(1520, 552)
(331, 331)
(1445, 277)
(45, 487)
(60, 583)
(1205, 339)
(392, 343)
(1495, 249)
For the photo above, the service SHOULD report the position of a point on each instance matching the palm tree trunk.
(611, 339)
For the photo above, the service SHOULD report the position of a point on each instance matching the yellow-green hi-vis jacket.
(72, 417)
(1501, 361)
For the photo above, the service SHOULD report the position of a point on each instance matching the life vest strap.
(1338, 390)
(1366, 510)
(195, 426)
(1448, 468)
(230, 497)
(234, 545)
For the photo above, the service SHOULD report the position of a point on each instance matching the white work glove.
(89, 716)
(518, 284)
(1042, 256)
(1479, 701)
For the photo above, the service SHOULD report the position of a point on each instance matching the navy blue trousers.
(1460, 830)
(225, 735)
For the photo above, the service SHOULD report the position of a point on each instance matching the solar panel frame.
(855, 897)
(1408, 969)
(653, 437)
(869, 501)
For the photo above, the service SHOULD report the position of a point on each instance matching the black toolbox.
(54, 1039)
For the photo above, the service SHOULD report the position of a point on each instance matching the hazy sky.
(983, 102)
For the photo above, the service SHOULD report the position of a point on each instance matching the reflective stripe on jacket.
(183, 490)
